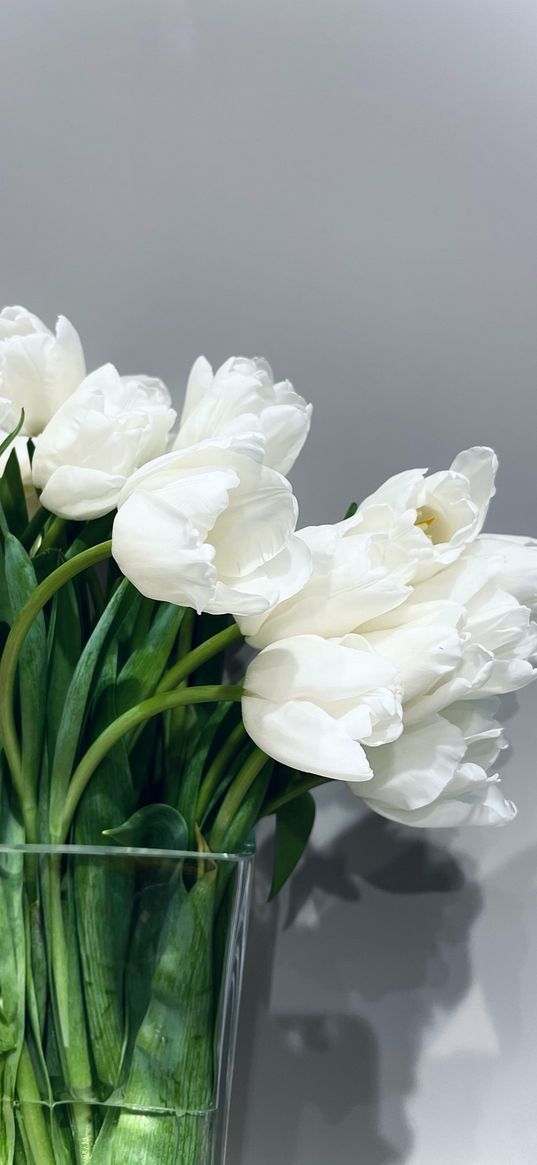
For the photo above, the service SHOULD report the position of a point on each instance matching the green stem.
(54, 533)
(73, 1040)
(161, 702)
(201, 654)
(217, 769)
(234, 797)
(32, 1109)
(34, 527)
(82, 1115)
(8, 671)
(295, 791)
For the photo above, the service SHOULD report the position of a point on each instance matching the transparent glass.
(120, 977)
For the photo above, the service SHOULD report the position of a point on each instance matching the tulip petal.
(105, 429)
(424, 650)
(157, 548)
(355, 578)
(416, 768)
(66, 366)
(303, 736)
(199, 382)
(486, 807)
(483, 734)
(200, 495)
(307, 667)
(226, 453)
(251, 595)
(479, 466)
(286, 428)
(466, 681)
(516, 559)
(38, 370)
(279, 577)
(257, 524)
(81, 494)
(242, 397)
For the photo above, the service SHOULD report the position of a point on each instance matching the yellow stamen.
(424, 523)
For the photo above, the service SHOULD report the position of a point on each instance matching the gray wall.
(348, 188)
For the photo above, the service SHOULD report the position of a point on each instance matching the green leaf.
(156, 885)
(104, 891)
(143, 669)
(189, 780)
(238, 838)
(12, 963)
(11, 436)
(46, 562)
(228, 752)
(6, 610)
(182, 734)
(152, 827)
(351, 510)
(142, 623)
(32, 670)
(172, 1061)
(144, 760)
(99, 530)
(13, 497)
(294, 823)
(76, 701)
(64, 647)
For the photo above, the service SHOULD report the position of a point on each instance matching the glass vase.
(120, 975)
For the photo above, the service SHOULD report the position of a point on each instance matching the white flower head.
(436, 775)
(314, 703)
(461, 639)
(38, 369)
(211, 527)
(450, 507)
(106, 430)
(242, 397)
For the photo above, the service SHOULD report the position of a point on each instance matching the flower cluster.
(385, 668)
(383, 641)
(205, 517)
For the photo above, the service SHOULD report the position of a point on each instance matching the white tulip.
(313, 704)
(106, 430)
(361, 569)
(211, 527)
(38, 370)
(450, 507)
(435, 774)
(241, 397)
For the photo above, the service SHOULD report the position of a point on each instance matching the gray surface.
(350, 189)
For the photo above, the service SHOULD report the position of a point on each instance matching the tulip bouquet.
(135, 557)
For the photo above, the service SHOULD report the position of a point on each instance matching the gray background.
(348, 188)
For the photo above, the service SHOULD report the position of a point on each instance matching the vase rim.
(245, 855)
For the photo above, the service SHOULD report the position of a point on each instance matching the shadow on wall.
(385, 914)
